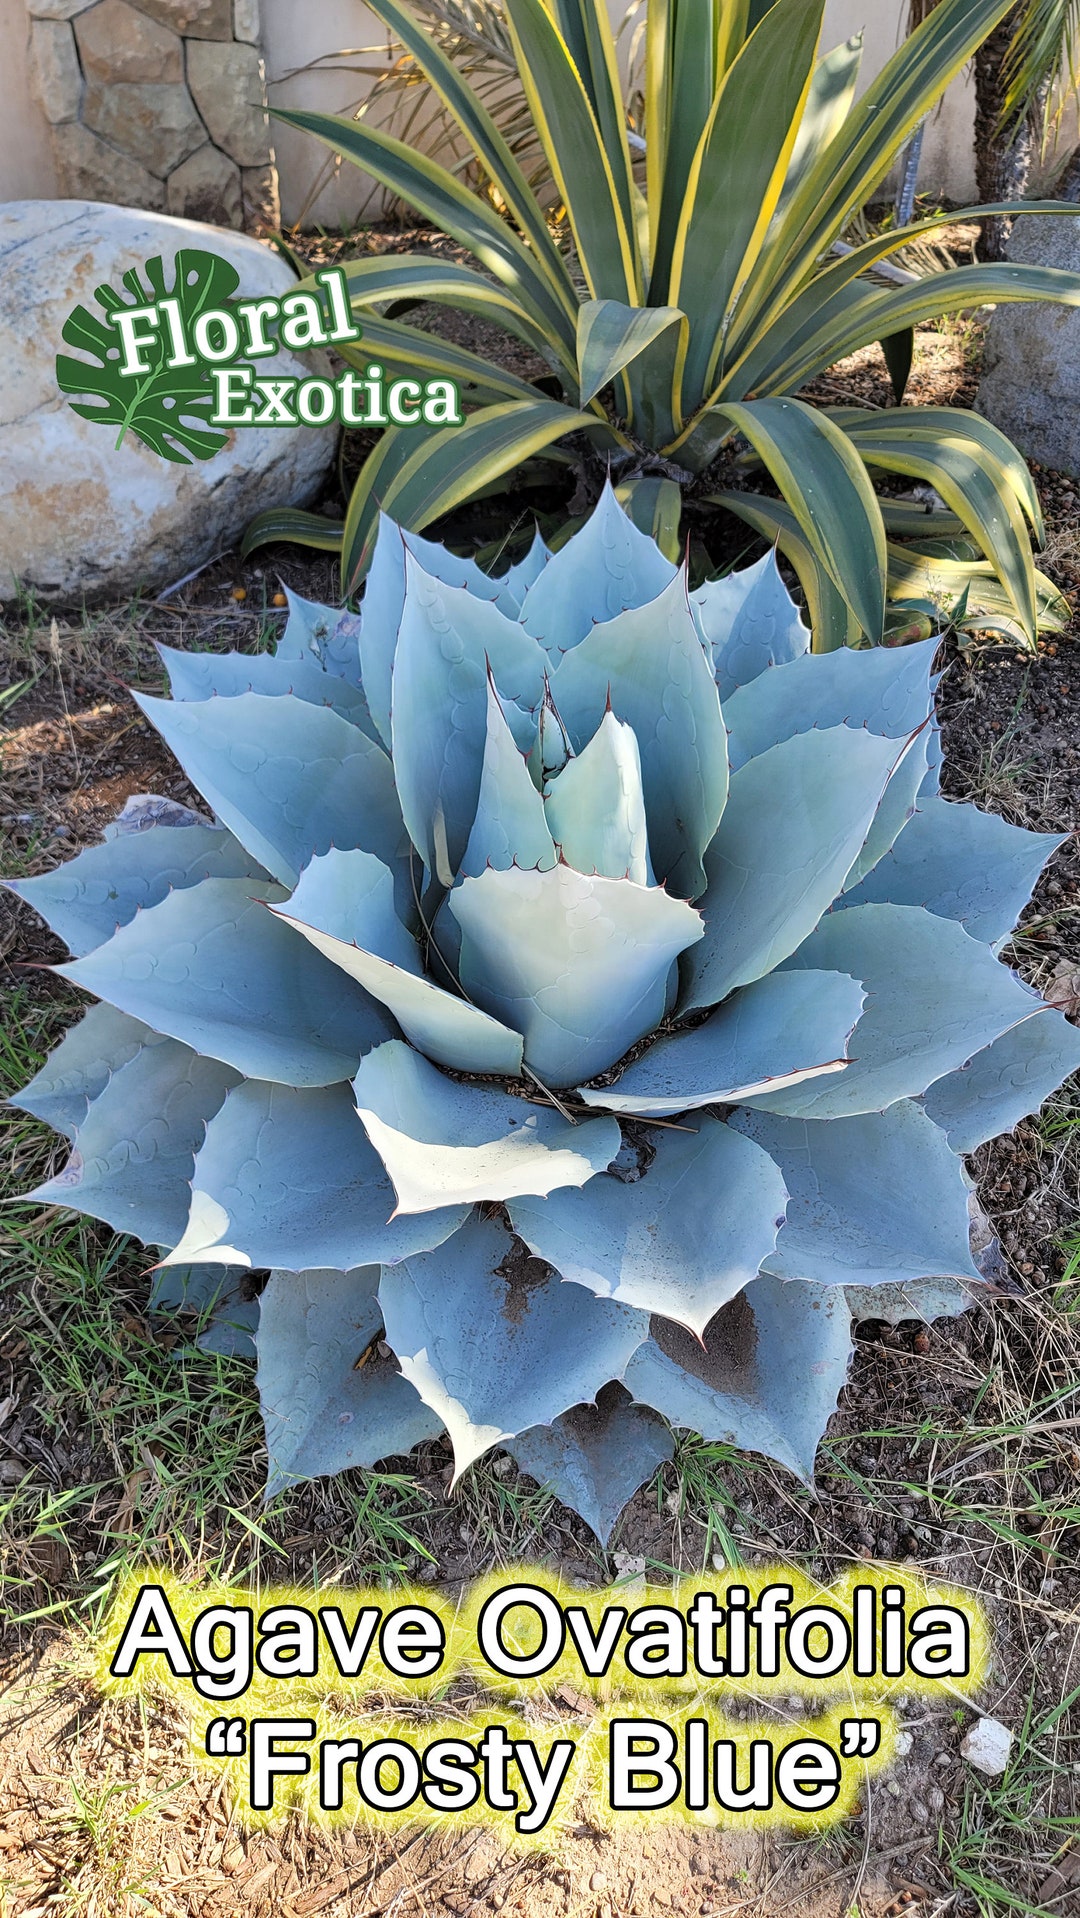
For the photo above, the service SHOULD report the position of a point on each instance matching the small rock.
(903, 1743)
(987, 1746)
(919, 1811)
(936, 1798)
(598, 1881)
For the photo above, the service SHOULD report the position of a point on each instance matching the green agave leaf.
(79, 1069)
(655, 506)
(935, 996)
(418, 475)
(970, 592)
(771, 1033)
(595, 1457)
(1005, 1082)
(169, 407)
(297, 528)
(748, 621)
(451, 206)
(85, 900)
(201, 676)
(444, 1143)
(578, 964)
(323, 1410)
(596, 808)
(448, 642)
(421, 276)
(344, 907)
(998, 451)
(650, 664)
(795, 820)
(885, 689)
(606, 568)
(876, 1198)
(681, 1239)
(766, 1376)
(510, 827)
(962, 864)
(494, 1354)
(592, 173)
(610, 335)
(735, 182)
(289, 779)
(829, 100)
(212, 968)
(826, 486)
(410, 351)
(135, 1149)
(286, 1175)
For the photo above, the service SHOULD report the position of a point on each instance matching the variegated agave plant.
(581, 986)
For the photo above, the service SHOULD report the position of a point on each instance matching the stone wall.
(158, 104)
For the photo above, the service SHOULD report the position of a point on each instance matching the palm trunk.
(1068, 187)
(1003, 152)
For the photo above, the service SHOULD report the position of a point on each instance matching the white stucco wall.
(26, 165)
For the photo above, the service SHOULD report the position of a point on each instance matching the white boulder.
(80, 516)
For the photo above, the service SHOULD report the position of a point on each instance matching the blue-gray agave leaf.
(1000, 1085)
(231, 1332)
(608, 567)
(876, 1199)
(776, 1032)
(595, 1457)
(288, 778)
(525, 1032)
(679, 1235)
(493, 1348)
(81, 1067)
(286, 1174)
(328, 1400)
(766, 1376)
(448, 1144)
(747, 622)
(961, 864)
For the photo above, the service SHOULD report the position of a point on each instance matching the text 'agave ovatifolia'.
(580, 986)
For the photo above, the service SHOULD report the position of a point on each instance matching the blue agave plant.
(581, 986)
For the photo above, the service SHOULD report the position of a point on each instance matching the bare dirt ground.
(955, 1448)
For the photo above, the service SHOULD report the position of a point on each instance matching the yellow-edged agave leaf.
(586, 30)
(487, 142)
(869, 312)
(828, 103)
(421, 476)
(853, 163)
(603, 222)
(418, 276)
(410, 350)
(999, 450)
(969, 480)
(447, 203)
(970, 592)
(832, 621)
(825, 484)
(291, 523)
(610, 335)
(735, 180)
(689, 46)
(655, 506)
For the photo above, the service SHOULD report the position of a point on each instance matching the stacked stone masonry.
(158, 104)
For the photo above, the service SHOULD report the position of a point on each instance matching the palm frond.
(1042, 56)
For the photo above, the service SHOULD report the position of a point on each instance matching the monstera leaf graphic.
(164, 407)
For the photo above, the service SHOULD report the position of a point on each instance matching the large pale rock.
(246, 22)
(117, 42)
(91, 169)
(79, 515)
(1031, 367)
(229, 89)
(54, 69)
(207, 187)
(157, 125)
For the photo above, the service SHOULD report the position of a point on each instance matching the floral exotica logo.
(180, 365)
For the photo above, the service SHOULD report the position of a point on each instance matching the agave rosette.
(580, 986)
